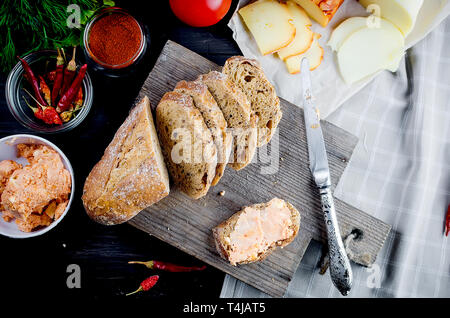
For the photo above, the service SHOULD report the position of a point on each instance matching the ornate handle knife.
(340, 268)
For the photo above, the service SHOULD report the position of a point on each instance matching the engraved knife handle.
(340, 268)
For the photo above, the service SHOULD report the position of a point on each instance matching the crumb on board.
(222, 193)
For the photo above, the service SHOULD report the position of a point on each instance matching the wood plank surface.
(186, 223)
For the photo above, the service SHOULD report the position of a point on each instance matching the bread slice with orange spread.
(254, 232)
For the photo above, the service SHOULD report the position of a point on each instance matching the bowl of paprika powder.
(114, 41)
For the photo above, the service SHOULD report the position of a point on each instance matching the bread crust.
(131, 174)
(176, 114)
(224, 229)
(249, 76)
(214, 120)
(238, 114)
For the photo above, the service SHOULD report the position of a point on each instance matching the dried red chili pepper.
(79, 100)
(50, 116)
(31, 78)
(69, 73)
(447, 221)
(59, 77)
(66, 100)
(44, 89)
(163, 266)
(146, 284)
(37, 111)
(51, 76)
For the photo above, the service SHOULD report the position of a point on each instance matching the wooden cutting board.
(186, 223)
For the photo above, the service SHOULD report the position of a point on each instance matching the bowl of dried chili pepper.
(49, 91)
(114, 41)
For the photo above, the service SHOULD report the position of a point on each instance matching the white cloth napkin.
(329, 88)
(399, 173)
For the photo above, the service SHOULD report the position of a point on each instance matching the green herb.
(30, 25)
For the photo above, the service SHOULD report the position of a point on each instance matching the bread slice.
(187, 144)
(238, 114)
(214, 120)
(131, 175)
(249, 225)
(248, 75)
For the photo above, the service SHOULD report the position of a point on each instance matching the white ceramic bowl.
(8, 151)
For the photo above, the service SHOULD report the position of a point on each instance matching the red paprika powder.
(115, 39)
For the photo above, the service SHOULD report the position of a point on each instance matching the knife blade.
(340, 268)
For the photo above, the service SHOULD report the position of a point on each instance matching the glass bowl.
(110, 69)
(20, 110)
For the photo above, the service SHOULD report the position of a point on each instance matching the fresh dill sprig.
(30, 25)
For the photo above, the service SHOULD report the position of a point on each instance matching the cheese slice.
(271, 24)
(402, 13)
(314, 55)
(344, 30)
(303, 36)
(369, 50)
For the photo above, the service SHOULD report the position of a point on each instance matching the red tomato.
(200, 13)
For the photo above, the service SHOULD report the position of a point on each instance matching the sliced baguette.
(131, 175)
(238, 114)
(248, 75)
(222, 233)
(187, 144)
(214, 120)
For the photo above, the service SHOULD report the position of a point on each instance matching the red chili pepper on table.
(31, 78)
(169, 267)
(66, 100)
(146, 284)
(59, 77)
(45, 90)
(69, 73)
(447, 221)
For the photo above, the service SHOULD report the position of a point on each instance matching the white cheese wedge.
(403, 13)
(314, 55)
(303, 36)
(271, 24)
(344, 30)
(369, 50)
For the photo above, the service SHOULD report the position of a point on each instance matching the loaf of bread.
(187, 144)
(248, 75)
(214, 120)
(237, 112)
(254, 232)
(131, 174)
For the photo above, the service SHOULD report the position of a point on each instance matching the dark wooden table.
(37, 266)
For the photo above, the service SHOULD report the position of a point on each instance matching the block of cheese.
(369, 50)
(320, 10)
(402, 13)
(303, 36)
(270, 23)
(314, 55)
